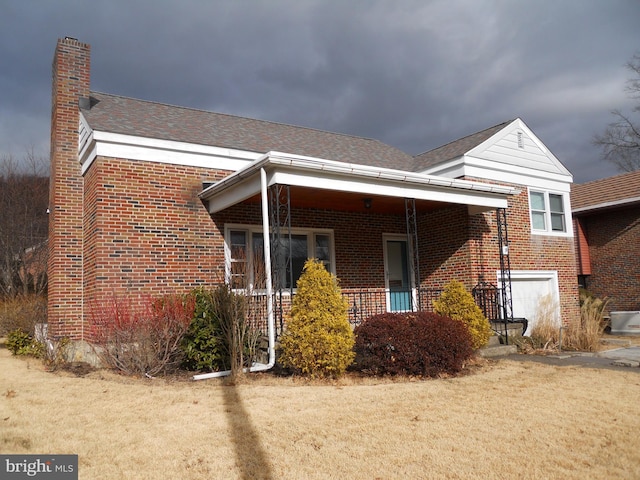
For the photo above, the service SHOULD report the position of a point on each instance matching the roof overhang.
(624, 203)
(309, 172)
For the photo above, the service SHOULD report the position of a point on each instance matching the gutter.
(605, 205)
(260, 367)
(350, 170)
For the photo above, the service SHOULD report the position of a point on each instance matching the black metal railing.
(363, 303)
(366, 302)
(488, 298)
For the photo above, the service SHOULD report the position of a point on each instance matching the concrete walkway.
(615, 358)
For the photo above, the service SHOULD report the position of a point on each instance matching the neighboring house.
(606, 216)
(148, 198)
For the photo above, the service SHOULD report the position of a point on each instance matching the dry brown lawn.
(505, 419)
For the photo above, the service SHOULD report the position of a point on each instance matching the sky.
(415, 74)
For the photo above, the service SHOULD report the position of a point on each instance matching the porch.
(393, 238)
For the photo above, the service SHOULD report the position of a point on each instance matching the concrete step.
(497, 351)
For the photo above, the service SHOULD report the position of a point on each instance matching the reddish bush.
(420, 343)
(141, 339)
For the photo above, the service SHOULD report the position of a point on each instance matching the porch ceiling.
(318, 198)
(334, 185)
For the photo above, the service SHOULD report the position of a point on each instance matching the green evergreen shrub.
(220, 336)
(420, 343)
(203, 344)
(455, 302)
(318, 340)
(20, 342)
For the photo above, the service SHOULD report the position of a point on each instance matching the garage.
(533, 292)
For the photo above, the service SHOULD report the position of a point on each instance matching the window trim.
(251, 230)
(566, 213)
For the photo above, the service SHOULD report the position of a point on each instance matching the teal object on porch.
(400, 301)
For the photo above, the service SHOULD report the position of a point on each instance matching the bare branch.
(620, 141)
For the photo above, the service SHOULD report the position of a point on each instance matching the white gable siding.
(507, 151)
(501, 159)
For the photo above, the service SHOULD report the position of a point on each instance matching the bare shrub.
(144, 339)
(22, 312)
(221, 336)
(584, 334)
(545, 333)
(240, 338)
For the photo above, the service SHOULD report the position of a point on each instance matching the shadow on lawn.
(251, 458)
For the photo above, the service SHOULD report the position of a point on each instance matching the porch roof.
(359, 180)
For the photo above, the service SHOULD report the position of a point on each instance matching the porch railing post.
(412, 243)
(505, 271)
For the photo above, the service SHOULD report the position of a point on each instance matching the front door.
(398, 285)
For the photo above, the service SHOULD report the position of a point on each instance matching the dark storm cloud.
(414, 74)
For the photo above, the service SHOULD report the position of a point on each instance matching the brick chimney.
(71, 79)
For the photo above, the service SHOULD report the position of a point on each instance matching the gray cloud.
(413, 74)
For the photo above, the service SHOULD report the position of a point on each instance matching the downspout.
(260, 367)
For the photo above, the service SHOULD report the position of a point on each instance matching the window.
(547, 212)
(238, 256)
(245, 256)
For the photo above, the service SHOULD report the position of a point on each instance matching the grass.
(555, 422)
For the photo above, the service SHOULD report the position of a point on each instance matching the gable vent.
(520, 140)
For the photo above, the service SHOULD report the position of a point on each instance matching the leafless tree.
(620, 142)
(24, 196)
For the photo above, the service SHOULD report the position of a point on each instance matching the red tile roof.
(608, 192)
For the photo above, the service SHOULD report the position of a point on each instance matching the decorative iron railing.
(363, 303)
(488, 298)
(366, 302)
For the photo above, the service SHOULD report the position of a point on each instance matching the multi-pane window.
(237, 242)
(547, 212)
(323, 249)
(246, 267)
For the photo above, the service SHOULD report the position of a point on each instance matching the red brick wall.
(526, 251)
(357, 236)
(146, 231)
(614, 247)
(452, 244)
(443, 240)
(583, 256)
(71, 72)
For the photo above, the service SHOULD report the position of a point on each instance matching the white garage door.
(533, 293)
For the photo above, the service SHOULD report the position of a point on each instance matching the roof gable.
(508, 151)
(619, 190)
(116, 114)
(515, 145)
(455, 149)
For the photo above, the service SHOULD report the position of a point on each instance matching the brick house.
(606, 215)
(148, 198)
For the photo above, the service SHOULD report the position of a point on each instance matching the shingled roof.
(116, 114)
(620, 190)
(456, 148)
